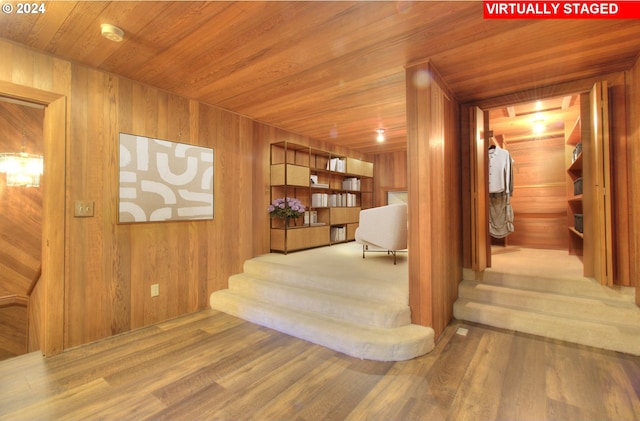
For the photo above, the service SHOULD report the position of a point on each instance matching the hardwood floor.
(209, 365)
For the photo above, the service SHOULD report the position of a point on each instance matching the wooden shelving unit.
(333, 188)
(574, 201)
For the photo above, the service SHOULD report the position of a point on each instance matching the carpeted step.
(616, 312)
(367, 342)
(390, 290)
(622, 339)
(338, 306)
(583, 287)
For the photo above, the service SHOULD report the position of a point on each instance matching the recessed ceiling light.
(538, 126)
(380, 137)
(112, 32)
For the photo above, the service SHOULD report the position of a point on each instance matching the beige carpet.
(543, 292)
(333, 297)
(345, 261)
(536, 262)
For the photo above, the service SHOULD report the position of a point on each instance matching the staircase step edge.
(585, 287)
(581, 308)
(375, 313)
(624, 339)
(370, 289)
(360, 341)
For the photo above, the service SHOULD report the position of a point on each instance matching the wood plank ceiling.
(333, 71)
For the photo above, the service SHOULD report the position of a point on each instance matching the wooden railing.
(14, 300)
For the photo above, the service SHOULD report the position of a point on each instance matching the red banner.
(561, 9)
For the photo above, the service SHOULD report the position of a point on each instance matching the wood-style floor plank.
(212, 366)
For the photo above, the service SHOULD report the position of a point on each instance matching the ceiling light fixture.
(538, 126)
(22, 169)
(111, 32)
(380, 137)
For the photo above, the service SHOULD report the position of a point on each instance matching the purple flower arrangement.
(286, 207)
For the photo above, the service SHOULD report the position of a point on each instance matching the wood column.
(433, 148)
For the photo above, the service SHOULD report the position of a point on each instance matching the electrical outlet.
(84, 208)
(462, 331)
(155, 290)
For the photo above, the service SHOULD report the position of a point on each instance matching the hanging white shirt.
(499, 171)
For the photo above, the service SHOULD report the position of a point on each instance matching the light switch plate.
(83, 208)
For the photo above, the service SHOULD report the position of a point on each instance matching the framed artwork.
(163, 181)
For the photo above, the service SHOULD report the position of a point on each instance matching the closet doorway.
(561, 178)
(540, 137)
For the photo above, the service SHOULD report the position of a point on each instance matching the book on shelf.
(323, 200)
(314, 183)
(338, 233)
(336, 164)
(310, 217)
(351, 183)
(319, 200)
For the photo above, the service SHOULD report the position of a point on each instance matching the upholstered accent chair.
(383, 228)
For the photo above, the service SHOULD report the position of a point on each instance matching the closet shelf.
(576, 232)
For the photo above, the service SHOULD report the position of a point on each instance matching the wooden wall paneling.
(390, 174)
(23, 66)
(465, 185)
(110, 267)
(452, 207)
(115, 250)
(603, 267)
(480, 244)
(434, 223)
(35, 308)
(588, 199)
(419, 180)
(6, 65)
(234, 186)
(13, 330)
(619, 115)
(261, 193)
(85, 281)
(539, 199)
(633, 153)
(439, 218)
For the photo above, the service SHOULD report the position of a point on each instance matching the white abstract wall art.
(164, 181)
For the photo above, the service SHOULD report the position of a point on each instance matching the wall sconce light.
(380, 137)
(22, 169)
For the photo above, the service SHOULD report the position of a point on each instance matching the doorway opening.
(21, 125)
(542, 138)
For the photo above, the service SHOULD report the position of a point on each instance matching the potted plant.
(286, 208)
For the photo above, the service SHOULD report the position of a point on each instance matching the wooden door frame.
(53, 209)
(582, 87)
(602, 224)
(479, 189)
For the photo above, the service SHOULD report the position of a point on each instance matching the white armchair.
(384, 227)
